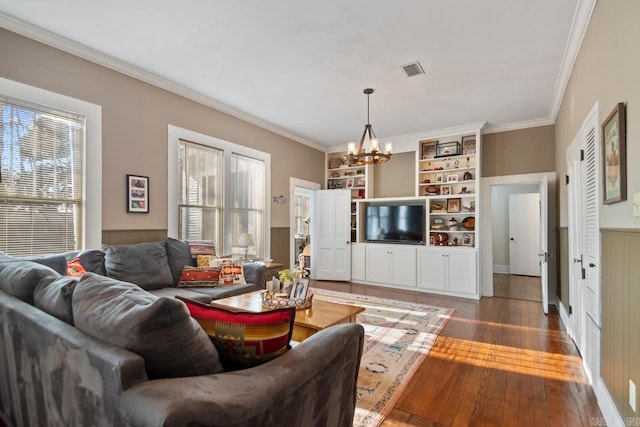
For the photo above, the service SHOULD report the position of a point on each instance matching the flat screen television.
(395, 224)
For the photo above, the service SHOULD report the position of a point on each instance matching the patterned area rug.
(398, 337)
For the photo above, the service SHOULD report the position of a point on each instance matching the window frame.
(91, 206)
(173, 183)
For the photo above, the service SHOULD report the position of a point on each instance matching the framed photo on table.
(137, 194)
(614, 156)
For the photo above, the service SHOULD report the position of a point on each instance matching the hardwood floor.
(518, 287)
(497, 362)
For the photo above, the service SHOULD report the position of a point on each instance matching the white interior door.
(574, 234)
(331, 246)
(543, 255)
(524, 234)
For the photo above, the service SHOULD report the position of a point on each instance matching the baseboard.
(564, 317)
(608, 408)
(500, 269)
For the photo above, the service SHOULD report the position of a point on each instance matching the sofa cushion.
(157, 328)
(57, 262)
(179, 256)
(145, 264)
(225, 291)
(183, 292)
(245, 339)
(53, 295)
(199, 277)
(93, 261)
(19, 278)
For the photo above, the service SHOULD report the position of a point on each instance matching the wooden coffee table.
(320, 315)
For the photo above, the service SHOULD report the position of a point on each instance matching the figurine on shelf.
(456, 164)
(468, 162)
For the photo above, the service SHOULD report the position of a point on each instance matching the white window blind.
(41, 188)
(248, 201)
(200, 199)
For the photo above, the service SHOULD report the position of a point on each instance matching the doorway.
(494, 258)
(302, 196)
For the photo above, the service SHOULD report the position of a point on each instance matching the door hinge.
(566, 179)
(570, 310)
(582, 155)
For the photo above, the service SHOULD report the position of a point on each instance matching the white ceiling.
(299, 67)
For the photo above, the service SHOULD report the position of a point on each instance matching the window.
(221, 191)
(41, 182)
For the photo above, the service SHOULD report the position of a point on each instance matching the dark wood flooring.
(497, 362)
(518, 287)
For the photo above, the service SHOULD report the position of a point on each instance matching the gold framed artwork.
(614, 156)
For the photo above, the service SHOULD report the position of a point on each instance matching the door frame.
(486, 253)
(308, 185)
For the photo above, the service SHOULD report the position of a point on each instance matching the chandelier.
(369, 153)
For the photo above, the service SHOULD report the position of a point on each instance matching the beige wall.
(606, 71)
(397, 177)
(516, 152)
(135, 116)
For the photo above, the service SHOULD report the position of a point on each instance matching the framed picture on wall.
(614, 156)
(137, 194)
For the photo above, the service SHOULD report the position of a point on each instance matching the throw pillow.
(192, 277)
(201, 247)
(244, 339)
(75, 268)
(205, 260)
(231, 273)
(145, 264)
(179, 255)
(157, 328)
(53, 295)
(93, 261)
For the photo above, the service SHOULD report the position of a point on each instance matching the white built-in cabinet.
(448, 171)
(451, 271)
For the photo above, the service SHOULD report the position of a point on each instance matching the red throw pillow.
(192, 277)
(74, 268)
(244, 339)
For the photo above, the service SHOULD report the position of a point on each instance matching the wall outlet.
(632, 395)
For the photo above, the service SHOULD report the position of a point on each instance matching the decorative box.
(445, 149)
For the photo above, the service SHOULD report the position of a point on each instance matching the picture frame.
(467, 239)
(614, 156)
(137, 193)
(440, 177)
(469, 144)
(445, 190)
(453, 205)
(299, 289)
(429, 149)
(350, 183)
(452, 178)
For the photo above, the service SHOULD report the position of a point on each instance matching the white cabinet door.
(403, 266)
(358, 262)
(378, 264)
(462, 271)
(432, 269)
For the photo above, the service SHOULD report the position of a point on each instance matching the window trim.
(173, 182)
(91, 211)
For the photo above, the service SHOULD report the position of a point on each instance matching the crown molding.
(519, 125)
(62, 43)
(581, 19)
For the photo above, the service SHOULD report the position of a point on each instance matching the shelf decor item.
(429, 149)
(467, 239)
(137, 193)
(446, 149)
(469, 144)
(614, 156)
(370, 154)
(453, 205)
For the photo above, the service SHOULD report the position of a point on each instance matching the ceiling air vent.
(413, 69)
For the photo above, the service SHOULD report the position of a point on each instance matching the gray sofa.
(99, 351)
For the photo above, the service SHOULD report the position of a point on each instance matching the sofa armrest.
(313, 384)
(255, 272)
